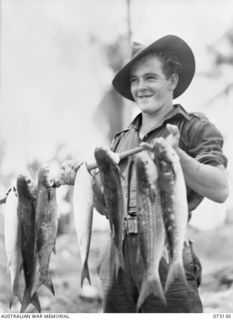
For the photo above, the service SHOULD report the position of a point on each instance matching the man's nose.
(141, 84)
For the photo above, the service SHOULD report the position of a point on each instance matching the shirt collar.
(177, 110)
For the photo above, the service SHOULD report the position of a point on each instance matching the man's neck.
(149, 121)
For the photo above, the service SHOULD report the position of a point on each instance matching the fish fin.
(26, 299)
(121, 261)
(176, 271)
(165, 254)
(49, 284)
(150, 285)
(36, 302)
(37, 283)
(15, 293)
(54, 249)
(85, 274)
(12, 296)
(46, 281)
(117, 263)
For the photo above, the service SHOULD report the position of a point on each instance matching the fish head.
(49, 174)
(103, 159)
(164, 151)
(146, 169)
(26, 186)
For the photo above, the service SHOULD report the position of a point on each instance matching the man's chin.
(147, 108)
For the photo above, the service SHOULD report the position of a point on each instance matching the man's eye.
(133, 80)
(151, 78)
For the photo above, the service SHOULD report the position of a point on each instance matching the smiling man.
(154, 76)
(152, 89)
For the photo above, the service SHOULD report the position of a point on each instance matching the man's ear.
(174, 78)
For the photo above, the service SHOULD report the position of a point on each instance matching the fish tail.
(46, 281)
(12, 295)
(36, 302)
(37, 284)
(26, 299)
(54, 248)
(176, 271)
(49, 284)
(85, 274)
(121, 261)
(150, 285)
(15, 293)
(117, 262)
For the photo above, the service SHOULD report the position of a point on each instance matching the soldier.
(154, 76)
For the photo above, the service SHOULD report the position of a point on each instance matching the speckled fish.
(175, 207)
(13, 244)
(46, 228)
(151, 230)
(83, 216)
(114, 202)
(26, 216)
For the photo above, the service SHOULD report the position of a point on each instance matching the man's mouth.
(144, 96)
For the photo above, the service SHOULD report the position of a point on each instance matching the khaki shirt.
(199, 138)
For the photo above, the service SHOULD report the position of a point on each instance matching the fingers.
(173, 129)
(174, 135)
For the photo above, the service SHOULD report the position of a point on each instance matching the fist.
(174, 136)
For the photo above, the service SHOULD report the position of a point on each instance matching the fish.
(46, 227)
(99, 201)
(175, 207)
(13, 244)
(83, 206)
(114, 203)
(26, 215)
(151, 232)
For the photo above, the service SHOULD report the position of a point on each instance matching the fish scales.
(114, 201)
(83, 216)
(175, 208)
(13, 244)
(46, 228)
(26, 216)
(47, 231)
(151, 231)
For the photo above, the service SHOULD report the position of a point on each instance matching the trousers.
(121, 292)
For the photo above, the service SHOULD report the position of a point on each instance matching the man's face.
(149, 85)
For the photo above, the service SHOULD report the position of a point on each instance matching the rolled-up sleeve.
(206, 143)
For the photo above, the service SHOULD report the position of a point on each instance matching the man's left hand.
(174, 136)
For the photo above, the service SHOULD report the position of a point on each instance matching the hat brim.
(170, 43)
